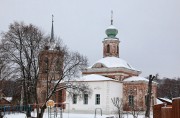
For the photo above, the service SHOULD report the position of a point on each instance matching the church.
(111, 77)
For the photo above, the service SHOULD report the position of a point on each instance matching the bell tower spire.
(52, 30)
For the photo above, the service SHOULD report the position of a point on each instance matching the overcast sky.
(149, 30)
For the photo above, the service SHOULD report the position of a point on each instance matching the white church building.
(111, 77)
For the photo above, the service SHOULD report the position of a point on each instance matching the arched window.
(59, 65)
(108, 48)
(117, 49)
(45, 65)
(131, 100)
(60, 96)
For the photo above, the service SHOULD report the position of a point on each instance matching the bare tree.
(72, 64)
(21, 46)
(148, 98)
(168, 88)
(118, 103)
(135, 110)
(78, 88)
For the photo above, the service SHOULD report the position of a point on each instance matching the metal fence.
(9, 109)
(53, 112)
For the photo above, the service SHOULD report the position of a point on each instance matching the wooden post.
(176, 108)
(157, 110)
(166, 112)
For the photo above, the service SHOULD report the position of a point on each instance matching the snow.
(136, 78)
(166, 99)
(73, 115)
(111, 27)
(110, 62)
(94, 77)
(8, 98)
(176, 98)
(15, 115)
(158, 101)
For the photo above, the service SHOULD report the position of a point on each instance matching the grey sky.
(149, 30)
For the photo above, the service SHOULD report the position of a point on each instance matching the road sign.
(50, 103)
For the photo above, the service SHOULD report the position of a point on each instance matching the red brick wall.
(138, 90)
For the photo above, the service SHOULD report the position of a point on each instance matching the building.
(111, 77)
(50, 69)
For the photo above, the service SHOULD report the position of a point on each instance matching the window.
(74, 99)
(108, 48)
(117, 49)
(45, 65)
(60, 95)
(85, 98)
(97, 99)
(131, 100)
(58, 65)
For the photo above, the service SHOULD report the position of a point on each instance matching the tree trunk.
(41, 113)
(1, 116)
(148, 98)
(119, 112)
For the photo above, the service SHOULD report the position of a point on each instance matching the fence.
(169, 111)
(54, 112)
(7, 109)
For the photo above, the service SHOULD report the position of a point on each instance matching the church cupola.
(111, 42)
(111, 31)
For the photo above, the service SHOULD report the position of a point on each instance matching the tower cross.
(111, 17)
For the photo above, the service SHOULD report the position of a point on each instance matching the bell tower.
(111, 42)
(50, 69)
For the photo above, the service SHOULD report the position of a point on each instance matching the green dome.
(111, 31)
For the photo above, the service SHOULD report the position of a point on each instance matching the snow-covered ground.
(71, 115)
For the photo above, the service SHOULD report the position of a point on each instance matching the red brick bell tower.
(111, 42)
(50, 71)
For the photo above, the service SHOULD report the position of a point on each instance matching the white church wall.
(106, 89)
(116, 91)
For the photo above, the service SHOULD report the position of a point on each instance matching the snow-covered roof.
(111, 27)
(8, 98)
(158, 101)
(166, 99)
(110, 62)
(93, 77)
(135, 78)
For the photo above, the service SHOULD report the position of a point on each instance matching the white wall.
(116, 90)
(106, 89)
